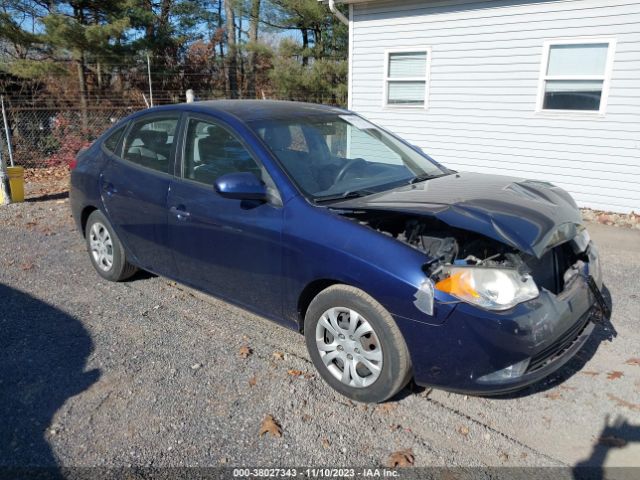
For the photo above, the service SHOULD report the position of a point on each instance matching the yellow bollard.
(16, 183)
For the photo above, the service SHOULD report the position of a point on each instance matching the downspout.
(339, 15)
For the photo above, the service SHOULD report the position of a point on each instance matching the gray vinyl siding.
(483, 87)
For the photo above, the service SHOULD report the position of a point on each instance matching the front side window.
(150, 141)
(212, 151)
(575, 75)
(406, 78)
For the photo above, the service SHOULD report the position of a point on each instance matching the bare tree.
(253, 42)
(232, 51)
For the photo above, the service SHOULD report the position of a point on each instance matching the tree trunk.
(305, 46)
(241, 76)
(220, 27)
(253, 54)
(82, 91)
(232, 58)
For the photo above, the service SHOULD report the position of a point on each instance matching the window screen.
(406, 79)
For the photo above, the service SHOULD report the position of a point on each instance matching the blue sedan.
(393, 266)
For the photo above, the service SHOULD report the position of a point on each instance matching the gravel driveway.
(150, 373)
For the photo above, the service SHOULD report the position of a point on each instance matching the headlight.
(487, 287)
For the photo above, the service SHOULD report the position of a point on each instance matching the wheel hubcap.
(101, 246)
(349, 347)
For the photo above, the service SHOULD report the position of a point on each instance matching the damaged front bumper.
(485, 352)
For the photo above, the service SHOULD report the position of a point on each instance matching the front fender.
(322, 244)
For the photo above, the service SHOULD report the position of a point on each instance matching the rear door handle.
(180, 212)
(108, 188)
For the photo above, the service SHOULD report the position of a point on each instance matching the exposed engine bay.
(447, 246)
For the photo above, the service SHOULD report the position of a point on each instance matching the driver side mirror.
(241, 186)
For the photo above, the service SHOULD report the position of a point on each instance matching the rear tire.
(346, 329)
(105, 249)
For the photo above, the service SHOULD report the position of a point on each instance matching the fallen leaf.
(270, 425)
(401, 458)
(385, 408)
(26, 266)
(252, 381)
(245, 351)
(591, 374)
(633, 361)
(326, 443)
(553, 395)
(463, 430)
(623, 403)
(295, 373)
(278, 356)
(614, 375)
(612, 441)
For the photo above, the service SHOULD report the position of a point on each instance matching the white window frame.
(605, 77)
(425, 78)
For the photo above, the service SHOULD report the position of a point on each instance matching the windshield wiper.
(343, 196)
(426, 176)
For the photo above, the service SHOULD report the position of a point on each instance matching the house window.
(575, 75)
(406, 78)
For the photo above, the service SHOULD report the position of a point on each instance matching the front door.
(134, 188)
(230, 248)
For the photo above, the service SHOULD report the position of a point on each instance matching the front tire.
(105, 249)
(356, 345)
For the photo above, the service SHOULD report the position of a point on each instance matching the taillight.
(74, 163)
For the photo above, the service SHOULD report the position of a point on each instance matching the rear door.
(134, 189)
(227, 247)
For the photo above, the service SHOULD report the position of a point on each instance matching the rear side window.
(112, 141)
(150, 141)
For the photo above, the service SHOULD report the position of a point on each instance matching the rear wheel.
(105, 249)
(356, 345)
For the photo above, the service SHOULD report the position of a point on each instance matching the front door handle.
(180, 212)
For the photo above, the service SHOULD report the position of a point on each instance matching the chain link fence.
(45, 137)
(50, 136)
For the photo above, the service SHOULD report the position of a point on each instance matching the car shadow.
(604, 331)
(43, 352)
(49, 196)
(141, 275)
(615, 435)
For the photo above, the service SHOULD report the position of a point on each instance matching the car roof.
(251, 110)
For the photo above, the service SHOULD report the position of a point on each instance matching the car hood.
(529, 215)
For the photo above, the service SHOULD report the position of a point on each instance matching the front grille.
(557, 348)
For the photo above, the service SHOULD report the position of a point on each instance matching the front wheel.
(356, 345)
(105, 250)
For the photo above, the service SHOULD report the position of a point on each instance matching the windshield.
(339, 156)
